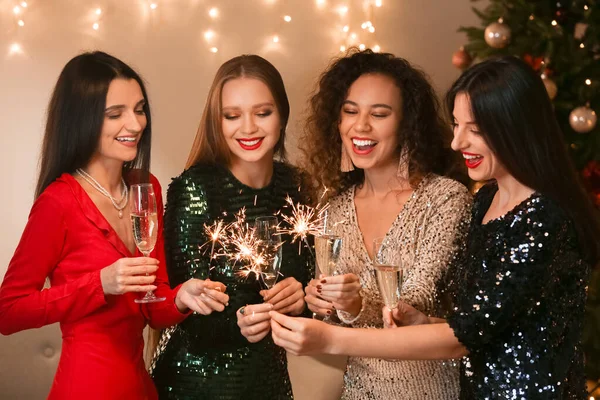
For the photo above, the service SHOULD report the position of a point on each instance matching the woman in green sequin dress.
(231, 355)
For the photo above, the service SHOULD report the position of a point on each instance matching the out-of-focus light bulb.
(98, 11)
(213, 49)
(96, 26)
(21, 22)
(213, 12)
(275, 39)
(287, 18)
(209, 35)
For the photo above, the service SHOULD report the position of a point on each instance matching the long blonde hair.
(209, 145)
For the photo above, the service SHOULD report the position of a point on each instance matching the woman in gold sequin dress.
(377, 141)
(231, 355)
(519, 290)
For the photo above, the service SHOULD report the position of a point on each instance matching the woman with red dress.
(96, 144)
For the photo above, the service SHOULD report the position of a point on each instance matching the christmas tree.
(560, 39)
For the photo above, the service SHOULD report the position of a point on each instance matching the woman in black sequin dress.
(519, 292)
(231, 355)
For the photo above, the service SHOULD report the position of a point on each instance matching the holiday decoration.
(461, 59)
(497, 35)
(583, 119)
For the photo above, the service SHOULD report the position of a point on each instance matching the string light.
(98, 11)
(275, 39)
(287, 18)
(15, 48)
(378, 3)
(24, 4)
(582, 46)
(372, 29)
(585, 7)
(21, 22)
(213, 12)
(346, 28)
(208, 35)
(96, 26)
(353, 36)
(320, 3)
(343, 10)
(17, 10)
(361, 47)
(153, 6)
(213, 49)
(342, 48)
(554, 23)
(588, 82)
(376, 48)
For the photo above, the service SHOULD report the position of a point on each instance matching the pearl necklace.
(120, 204)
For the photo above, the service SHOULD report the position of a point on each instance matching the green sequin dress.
(206, 357)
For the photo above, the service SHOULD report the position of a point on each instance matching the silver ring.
(242, 309)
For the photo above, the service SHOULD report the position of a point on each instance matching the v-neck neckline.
(397, 220)
(92, 212)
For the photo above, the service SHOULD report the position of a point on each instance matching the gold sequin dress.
(430, 228)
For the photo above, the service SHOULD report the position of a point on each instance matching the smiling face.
(479, 158)
(124, 121)
(251, 123)
(370, 120)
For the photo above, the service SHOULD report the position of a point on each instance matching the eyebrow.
(254, 106)
(466, 123)
(122, 106)
(378, 105)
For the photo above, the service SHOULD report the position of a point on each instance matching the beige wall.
(168, 47)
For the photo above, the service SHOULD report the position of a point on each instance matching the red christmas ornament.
(591, 178)
(461, 59)
(535, 62)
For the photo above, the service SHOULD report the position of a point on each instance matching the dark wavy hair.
(512, 110)
(76, 115)
(423, 136)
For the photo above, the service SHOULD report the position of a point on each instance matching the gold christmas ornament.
(497, 35)
(551, 87)
(583, 119)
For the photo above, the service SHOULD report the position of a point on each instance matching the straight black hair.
(514, 114)
(76, 115)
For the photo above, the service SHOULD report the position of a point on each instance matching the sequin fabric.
(519, 303)
(429, 229)
(206, 357)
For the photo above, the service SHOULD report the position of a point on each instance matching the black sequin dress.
(521, 307)
(206, 357)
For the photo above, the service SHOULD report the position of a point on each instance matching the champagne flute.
(144, 222)
(269, 249)
(327, 253)
(388, 271)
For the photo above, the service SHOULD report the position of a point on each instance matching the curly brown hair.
(423, 135)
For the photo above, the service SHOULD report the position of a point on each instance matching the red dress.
(68, 240)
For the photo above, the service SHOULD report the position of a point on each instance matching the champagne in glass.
(327, 253)
(144, 222)
(269, 249)
(388, 271)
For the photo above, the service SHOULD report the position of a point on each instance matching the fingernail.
(319, 286)
(319, 291)
(323, 281)
(329, 312)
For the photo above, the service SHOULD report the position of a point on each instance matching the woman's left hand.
(201, 296)
(287, 296)
(300, 336)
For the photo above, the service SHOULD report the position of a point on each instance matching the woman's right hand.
(316, 304)
(129, 275)
(403, 315)
(254, 321)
